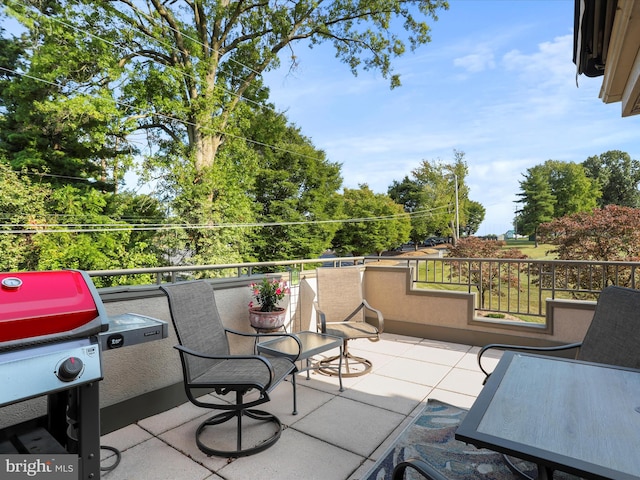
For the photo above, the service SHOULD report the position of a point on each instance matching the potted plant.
(266, 314)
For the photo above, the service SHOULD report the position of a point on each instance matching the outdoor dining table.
(577, 417)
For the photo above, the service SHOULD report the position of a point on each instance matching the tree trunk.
(206, 147)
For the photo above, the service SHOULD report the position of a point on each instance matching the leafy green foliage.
(295, 191)
(376, 223)
(572, 189)
(438, 182)
(268, 293)
(409, 194)
(21, 204)
(474, 214)
(617, 176)
(43, 229)
(60, 116)
(188, 78)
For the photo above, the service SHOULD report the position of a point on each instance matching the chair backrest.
(340, 293)
(197, 322)
(614, 334)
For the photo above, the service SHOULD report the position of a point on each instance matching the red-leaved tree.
(603, 235)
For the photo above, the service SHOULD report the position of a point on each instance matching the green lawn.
(516, 302)
(528, 248)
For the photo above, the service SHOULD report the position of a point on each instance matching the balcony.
(334, 436)
(428, 350)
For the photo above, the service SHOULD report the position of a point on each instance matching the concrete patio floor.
(335, 436)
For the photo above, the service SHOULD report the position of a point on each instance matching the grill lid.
(46, 306)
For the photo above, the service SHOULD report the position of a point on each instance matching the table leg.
(295, 395)
(544, 473)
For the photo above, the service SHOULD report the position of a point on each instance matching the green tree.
(60, 117)
(22, 203)
(295, 190)
(188, 71)
(375, 223)
(409, 193)
(439, 182)
(42, 228)
(474, 215)
(106, 245)
(538, 202)
(617, 176)
(572, 189)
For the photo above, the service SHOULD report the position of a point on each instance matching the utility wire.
(158, 41)
(93, 228)
(179, 120)
(96, 228)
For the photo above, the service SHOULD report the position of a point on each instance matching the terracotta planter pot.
(267, 320)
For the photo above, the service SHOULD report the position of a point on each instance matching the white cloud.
(499, 88)
(476, 62)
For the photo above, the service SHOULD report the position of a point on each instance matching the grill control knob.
(70, 369)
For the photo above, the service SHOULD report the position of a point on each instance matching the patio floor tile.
(335, 436)
(350, 425)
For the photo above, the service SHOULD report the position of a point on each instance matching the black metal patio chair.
(208, 366)
(420, 466)
(612, 338)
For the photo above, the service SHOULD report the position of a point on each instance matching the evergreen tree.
(538, 202)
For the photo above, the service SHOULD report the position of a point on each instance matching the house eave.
(607, 44)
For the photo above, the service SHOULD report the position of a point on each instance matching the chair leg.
(238, 414)
(353, 366)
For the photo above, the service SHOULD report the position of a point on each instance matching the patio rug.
(431, 437)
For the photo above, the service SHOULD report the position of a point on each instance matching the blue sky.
(497, 82)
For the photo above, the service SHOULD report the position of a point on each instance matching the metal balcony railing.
(521, 287)
(158, 275)
(503, 286)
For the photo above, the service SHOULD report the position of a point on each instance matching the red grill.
(48, 306)
(49, 345)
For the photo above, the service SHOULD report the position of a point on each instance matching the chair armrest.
(426, 470)
(259, 359)
(321, 318)
(522, 348)
(378, 315)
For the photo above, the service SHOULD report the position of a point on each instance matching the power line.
(162, 115)
(168, 117)
(118, 227)
(158, 41)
